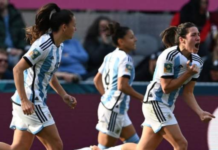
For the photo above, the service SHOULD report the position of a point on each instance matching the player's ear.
(120, 41)
(63, 27)
(181, 40)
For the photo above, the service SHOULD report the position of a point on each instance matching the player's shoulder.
(44, 42)
(123, 56)
(196, 58)
(170, 53)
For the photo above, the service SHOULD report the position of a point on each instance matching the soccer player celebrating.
(33, 73)
(177, 66)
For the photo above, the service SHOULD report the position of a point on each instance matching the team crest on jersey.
(128, 68)
(168, 68)
(34, 54)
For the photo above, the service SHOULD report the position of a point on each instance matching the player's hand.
(70, 101)
(192, 69)
(206, 116)
(27, 107)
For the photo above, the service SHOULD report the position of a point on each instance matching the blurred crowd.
(81, 59)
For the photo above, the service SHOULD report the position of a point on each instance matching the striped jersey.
(44, 58)
(170, 64)
(116, 64)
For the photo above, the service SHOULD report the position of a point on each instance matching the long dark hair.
(49, 16)
(93, 31)
(170, 36)
(117, 31)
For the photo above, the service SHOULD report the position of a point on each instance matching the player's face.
(192, 40)
(129, 41)
(70, 28)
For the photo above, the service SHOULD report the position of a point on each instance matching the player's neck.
(58, 39)
(123, 49)
(185, 52)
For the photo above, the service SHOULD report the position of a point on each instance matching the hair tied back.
(52, 12)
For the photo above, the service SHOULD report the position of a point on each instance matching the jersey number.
(107, 79)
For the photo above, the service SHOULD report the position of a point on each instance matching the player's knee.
(182, 144)
(133, 139)
(20, 146)
(57, 145)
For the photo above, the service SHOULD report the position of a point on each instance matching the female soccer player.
(33, 73)
(113, 81)
(177, 66)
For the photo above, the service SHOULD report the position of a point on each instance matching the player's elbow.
(166, 90)
(95, 80)
(122, 87)
(16, 70)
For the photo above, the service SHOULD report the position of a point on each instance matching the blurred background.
(83, 55)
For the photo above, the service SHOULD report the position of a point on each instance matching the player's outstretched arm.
(68, 99)
(192, 103)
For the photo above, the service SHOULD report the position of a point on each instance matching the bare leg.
(50, 138)
(22, 141)
(149, 140)
(126, 146)
(127, 132)
(129, 146)
(173, 135)
(106, 140)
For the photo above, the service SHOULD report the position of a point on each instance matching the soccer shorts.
(111, 123)
(33, 123)
(157, 115)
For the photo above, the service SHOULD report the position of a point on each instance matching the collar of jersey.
(52, 38)
(183, 55)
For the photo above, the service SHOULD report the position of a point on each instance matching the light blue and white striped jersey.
(170, 64)
(116, 64)
(44, 58)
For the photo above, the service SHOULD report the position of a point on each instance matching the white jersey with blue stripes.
(170, 64)
(44, 58)
(116, 64)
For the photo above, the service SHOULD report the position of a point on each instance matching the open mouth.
(197, 45)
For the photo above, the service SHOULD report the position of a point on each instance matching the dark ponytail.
(116, 31)
(49, 16)
(168, 36)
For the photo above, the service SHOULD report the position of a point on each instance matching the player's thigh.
(127, 132)
(106, 140)
(22, 140)
(173, 135)
(149, 140)
(50, 137)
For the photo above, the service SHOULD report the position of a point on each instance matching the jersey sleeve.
(165, 67)
(125, 67)
(34, 55)
(101, 69)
